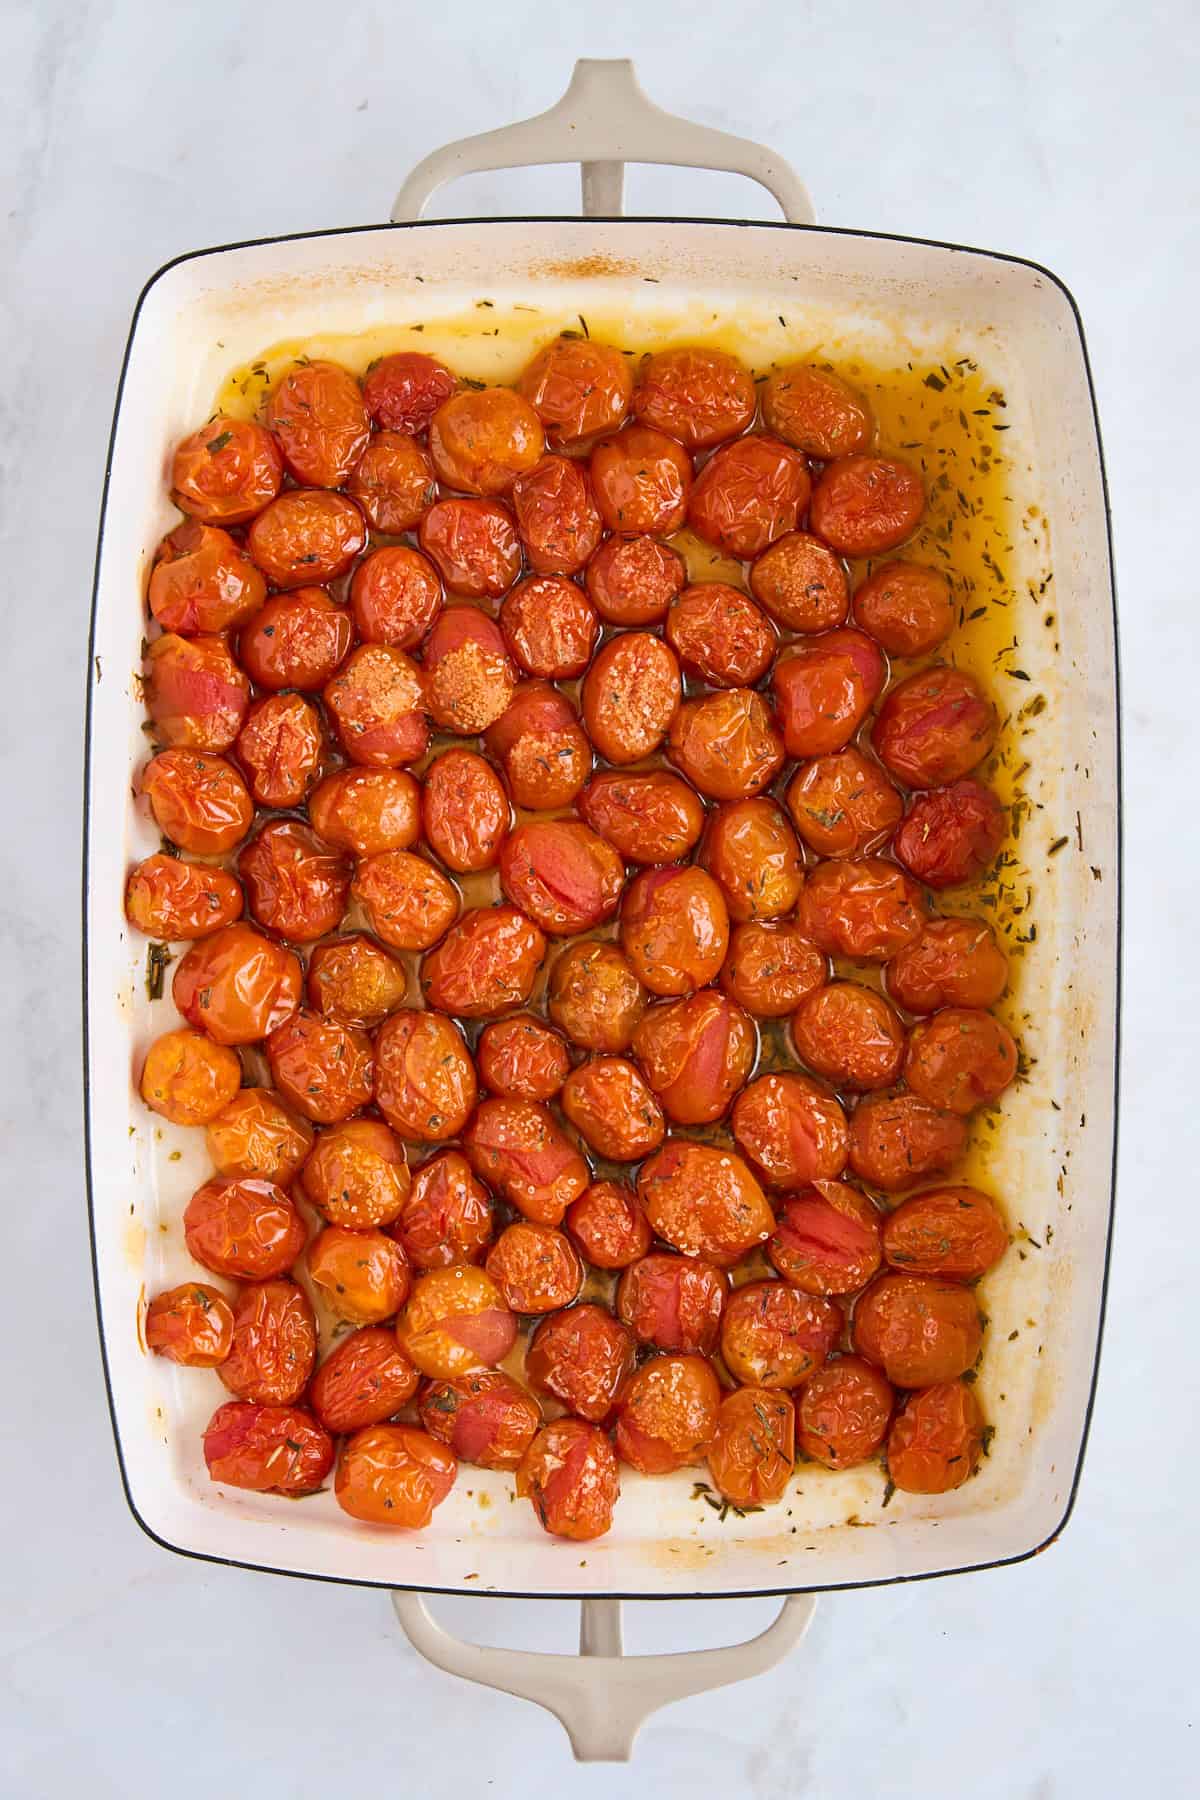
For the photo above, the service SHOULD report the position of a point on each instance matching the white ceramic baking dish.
(883, 296)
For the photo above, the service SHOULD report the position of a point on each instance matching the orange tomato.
(268, 1449)
(753, 1450)
(244, 1227)
(641, 480)
(608, 1225)
(191, 1325)
(594, 995)
(801, 583)
(307, 536)
(919, 1329)
(630, 695)
(522, 1057)
(196, 694)
(770, 968)
(704, 1202)
(696, 1054)
(199, 802)
(456, 1321)
(750, 850)
(862, 908)
(377, 704)
(843, 1413)
(899, 1139)
(238, 985)
(226, 472)
(719, 635)
(862, 505)
(960, 1058)
(324, 1068)
(556, 516)
(850, 1035)
(843, 804)
(465, 811)
(168, 898)
(748, 494)
(541, 747)
(673, 1302)
(516, 1147)
(817, 411)
(953, 1231)
(274, 1344)
(469, 677)
(936, 1439)
(570, 1474)
(577, 387)
(447, 1215)
(363, 1275)
(365, 1379)
(354, 980)
(824, 689)
(485, 964)
(256, 1134)
(425, 1082)
(395, 595)
(772, 1336)
(726, 744)
(633, 580)
(474, 544)
(202, 581)
(954, 962)
(394, 483)
(486, 1418)
(549, 626)
(295, 885)
(188, 1079)
(826, 1239)
(696, 395)
(367, 810)
(907, 608)
(535, 1267)
(561, 874)
(793, 1129)
(296, 640)
(649, 818)
(393, 1475)
(608, 1102)
(581, 1357)
(668, 1414)
(409, 903)
(482, 439)
(934, 727)
(674, 929)
(316, 414)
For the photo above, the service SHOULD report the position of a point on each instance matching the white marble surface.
(132, 131)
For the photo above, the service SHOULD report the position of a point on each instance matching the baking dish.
(787, 287)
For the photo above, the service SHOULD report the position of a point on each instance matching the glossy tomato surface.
(393, 482)
(695, 394)
(446, 1216)
(516, 1147)
(226, 472)
(696, 1053)
(748, 494)
(704, 1201)
(673, 1302)
(486, 1417)
(425, 1082)
(919, 1329)
(754, 1447)
(674, 929)
(256, 1134)
(843, 1413)
(569, 1473)
(243, 1227)
(238, 985)
(274, 1344)
(324, 1068)
(801, 583)
(394, 1475)
(897, 1139)
(296, 640)
(608, 1226)
(456, 1321)
(191, 1325)
(954, 962)
(522, 1057)
(792, 1128)
(556, 516)
(936, 1440)
(356, 1174)
(772, 1336)
(168, 898)
(667, 1414)
(610, 1105)
(268, 1449)
(727, 744)
(200, 802)
(817, 411)
(581, 1357)
(536, 1268)
(188, 1079)
(595, 995)
(353, 979)
(365, 1379)
(751, 851)
(633, 580)
(577, 387)
(826, 1239)
(487, 963)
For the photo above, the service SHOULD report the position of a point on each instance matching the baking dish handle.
(603, 121)
(601, 1696)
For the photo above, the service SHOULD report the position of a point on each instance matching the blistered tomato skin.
(486, 1418)
(523, 1058)
(556, 516)
(850, 1035)
(951, 835)
(936, 1439)
(897, 1140)
(751, 851)
(578, 388)
(952, 1231)
(907, 608)
(203, 582)
(954, 962)
(960, 1058)
(633, 580)
(919, 1329)
(698, 396)
(770, 968)
(704, 1202)
(226, 472)
(409, 903)
(487, 963)
(188, 1079)
(674, 929)
(541, 747)
(323, 1068)
(356, 1175)
(464, 811)
(281, 746)
(480, 440)
(394, 483)
(267, 1449)
(353, 980)
(934, 728)
(191, 1325)
(516, 1147)
(247, 1229)
(168, 898)
(256, 1134)
(726, 744)
(469, 676)
(608, 1102)
(630, 696)
(569, 1473)
(649, 818)
(608, 1226)
(474, 545)
(395, 596)
(199, 802)
(317, 417)
(594, 995)
(753, 1450)
(425, 1082)
(402, 392)
(307, 536)
(641, 480)
(772, 1336)
(294, 884)
(863, 908)
(536, 1268)
(238, 985)
(863, 505)
(367, 810)
(196, 694)
(792, 1129)
(843, 804)
(843, 1413)
(274, 1344)
(817, 411)
(456, 1321)
(748, 494)
(377, 704)
(719, 635)
(562, 875)
(824, 689)
(668, 1412)
(826, 1239)
(296, 640)
(363, 1275)
(696, 1053)
(447, 1215)
(550, 627)
(801, 583)
(393, 1475)
(581, 1357)
(365, 1379)
(673, 1302)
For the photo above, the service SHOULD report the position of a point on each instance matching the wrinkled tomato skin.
(753, 1451)
(569, 1473)
(936, 1439)
(769, 969)
(630, 696)
(719, 635)
(849, 1034)
(296, 640)
(474, 545)
(843, 1414)
(843, 804)
(464, 811)
(649, 818)
(377, 704)
(199, 802)
(960, 1058)
(481, 440)
(704, 1202)
(641, 480)
(954, 962)
(862, 908)
(353, 980)
(951, 835)
(595, 996)
(191, 1325)
(919, 1329)
(608, 1226)
(196, 694)
(556, 516)
(456, 1321)
(863, 505)
(281, 746)
(698, 396)
(726, 744)
(536, 1268)
(824, 689)
(188, 1079)
(581, 1357)
(203, 582)
(294, 884)
(247, 1229)
(751, 852)
(267, 1449)
(394, 483)
(952, 1231)
(897, 1140)
(826, 1239)
(578, 388)
(674, 929)
(633, 580)
(608, 1102)
(668, 1411)
(356, 1175)
(447, 1215)
(469, 677)
(325, 1069)
(486, 1418)
(515, 1146)
(409, 903)
(403, 391)
(522, 1057)
(801, 583)
(907, 608)
(934, 727)
(748, 494)
(364, 1380)
(773, 1336)
(562, 875)
(256, 1134)
(363, 1275)
(238, 985)
(367, 810)
(487, 963)
(274, 1344)
(226, 472)
(307, 536)
(425, 1083)
(395, 596)
(393, 1475)
(816, 411)
(168, 898)
(542, 748)
(793, 1130)
(317, 417)
(550, 627)
(696, 1053)
(673, 1302)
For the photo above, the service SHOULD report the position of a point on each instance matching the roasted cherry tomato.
(817, 411)
(367, 810)
(674, 929)
(649, 818)
(487, 1418)
(719, 635)
(556, 516)
(307, 536)
(578, 388)
(542, 748)
(581, 1357)
(393, 1475)
(696, 1053)
(191, 1325)
(936, 1440)
(843, 1414)
(849, 1034)
(356, 1175)
(774, 1337)
(317, 415)
(363, 1275)
(951, 834)
(934, 727)
(919, 1329)
(485, 964)
(954, 962)
(865, 909)
(630, 695)
(633, 580)
(862, 505)
(697, 395)
(641, 480)
(843, 804)
(238, 985)
(469, 677)
(354, 980)
(409, 903)
(594, 995)
(377, 703)
(226, 472)
(465, 811)
(952, 1231)
(751, 852)
(203, 582)
(959, 1059)
(447, 1215)
(195, 693)
(199, 802)
(481, 439)
(824, 689)
(608, 1225)
(801, 583)
(425, 1083)
(281, 745)
(403, 391)
(899, 1139)
(365, 1379)
(536, 1268)
(246, 1228)
(322, 1067)
(274, 1344)
(516, 1147)
(474, 544)
(769, 969)
(256, 1134)
(906, 607)
(394, 482)
(296, 640)
(607, 1101)
(753, 1450)
(704, 1202)
(569, 1473)
(826, 1239)
(748, 494)
(550, 627)
(792, 1129)
(562, 874)
(673, 1302)
(168, 898)
(668, 1411)
(295, 885)
(456, 1321)
(726, 744)
(396, 595)
(523, 1058)
(188, 1079)
(268, 1449)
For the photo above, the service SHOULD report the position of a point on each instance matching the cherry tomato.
(542, 747)
(294, 885)
(899, 1139)
(465, 811)
(595, 996)
(246, 1228)
(354, 980)
(633, 580)
(960, 1058)
(238, 985)
(918, 1328)
(751, 852)
(934, 727)
(456, 1321)
(409, 903)
(792, 1129)
(481, 439)
(849, 1034)
(668, 1412)
(843, 1414)
(753, 1451)
(203, 582)
(674, 929)
(769, 969)
(356, 1175)
(864, 908)
(268, 1449)
(521, 1057)
(195, 693)
(191, 1325)
(704, 1202)
(569, 1472)
(394, 482)
(726, 744)
(317, 415)
(485, 964)
(517, 1148)
(649, 818)
(474, 544)
(817, 411)
(395, 596)
(365, 1379)
(281, 746)
(536, 1268)
(696, 1053)
(363, 1275)
(906, 607)
(608, 1225)
(719, 635)
(199, 802)
(748, 494)
(801, 583)
(556, 516)
(306, 536)
(469, 679)
(226, 472)
(563, 875)
(826, 1239)
(630, 695)
(936, 1439)
(578, 388)
(843, 804)
(425, 1083)
(323, 1068)
(581, 1357)
(772, 1336)
(403, 391)
(697, 395)
(862, 505)
(550, 627)
(486, 1418)
(824, 689)
(951, 834)
(393, 1475)
(673, 1302)
(274, 1344)
(641, 480)
(954, 962)
(168, 898)
(188, 1079)
(447, 1216)
(256, 1134)
(953, 1231)
(367, 810)
(377, 703)
(296, 640)
(612, 1109)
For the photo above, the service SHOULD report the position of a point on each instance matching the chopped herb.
(217, 444)
(158, 961)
